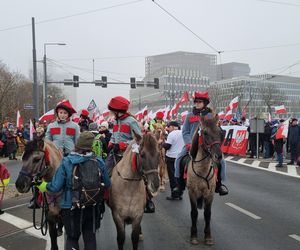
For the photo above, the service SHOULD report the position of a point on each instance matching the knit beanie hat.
(85, 141)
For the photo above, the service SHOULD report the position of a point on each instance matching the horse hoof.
(194, 241)
(141, 237)
(208, 241)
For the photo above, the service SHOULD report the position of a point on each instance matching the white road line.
(15, 221)
(295, 237)
(272, 167)
(1, 248)
(9, 208)
(242, 160)
(292, 170)
(255, 163)
(243, 211)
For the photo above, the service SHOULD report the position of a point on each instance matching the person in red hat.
(159, 118)
(63, 132)
(85, 120)
(190, 126)
(122, 135)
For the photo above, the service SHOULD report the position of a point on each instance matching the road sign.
(28, 106)
(257, 125)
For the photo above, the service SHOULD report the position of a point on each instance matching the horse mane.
(30, 147)
(150, 143)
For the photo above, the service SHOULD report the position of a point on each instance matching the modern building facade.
(231, 70)
(258, 94)
(177, 72)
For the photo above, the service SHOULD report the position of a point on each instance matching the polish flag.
(142, 113)
(228, 115)
(280, 109)
(49, 116)
(233, 104)
(31, 130)
(105, 113)
(75, 118)
(184, 98)
(19, 120)
(151, 115)
(183, 115)
(221, 115)
(166, 113)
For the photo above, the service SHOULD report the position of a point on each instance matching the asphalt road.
(262, 211)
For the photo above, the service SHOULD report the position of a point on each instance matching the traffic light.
(104, 81)
(132, 82)
(76, 81)
(156, 83)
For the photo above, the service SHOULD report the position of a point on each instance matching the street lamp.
(45, 75)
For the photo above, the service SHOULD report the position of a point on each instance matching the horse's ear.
(216, 119)
(195, 145)
(40, 144)
(137, 137)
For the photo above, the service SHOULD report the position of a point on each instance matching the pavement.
(266, 165)
(260, 212)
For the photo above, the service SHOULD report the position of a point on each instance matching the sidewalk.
(5, 159)
(266, 164)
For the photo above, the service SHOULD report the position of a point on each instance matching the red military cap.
(66, 105)
(118, 104)
(85, 112)
(198, 95)
(159, 115)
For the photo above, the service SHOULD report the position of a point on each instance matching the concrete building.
(178, 72)
(231, 70)
(258, 94)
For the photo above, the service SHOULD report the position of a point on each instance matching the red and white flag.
(105, 113)
(233, 104)
(75, 118)
(183, 115)
(31, 130)
(221, 115)
(280, 109)
(166, 112)
(184, 98)
(19, 120)
(228, 115)
(49, 116)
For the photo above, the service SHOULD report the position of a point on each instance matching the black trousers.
(294, 151)
(171, 170)
(76, 223)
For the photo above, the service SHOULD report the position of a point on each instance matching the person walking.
(293, 140)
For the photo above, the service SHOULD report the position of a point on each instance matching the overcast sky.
(119, 38)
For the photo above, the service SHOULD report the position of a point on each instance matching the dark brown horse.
(41, 158)
(201, 179)
(130, 178)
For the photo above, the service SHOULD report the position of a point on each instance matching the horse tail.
(200, 203)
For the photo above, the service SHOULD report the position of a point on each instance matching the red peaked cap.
(160, 115)
(198, 95)
(118, 104)
(66, 105)
(85, 112)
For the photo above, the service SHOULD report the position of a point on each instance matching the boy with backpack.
(82, 177)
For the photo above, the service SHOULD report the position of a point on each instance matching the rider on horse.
(158, 119)
(124, 127)
(190, 126)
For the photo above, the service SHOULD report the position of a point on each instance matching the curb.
(288, 170)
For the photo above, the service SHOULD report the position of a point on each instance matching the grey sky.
(141, 29)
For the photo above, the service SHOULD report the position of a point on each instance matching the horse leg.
(53, 235)
(194, 217)
(207, 215)
(135, 234)
(141, 236)
(120, 226)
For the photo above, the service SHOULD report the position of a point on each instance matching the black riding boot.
(220, 188)
(150, 207)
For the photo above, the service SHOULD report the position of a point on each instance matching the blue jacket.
(62, 179)
(190, 125)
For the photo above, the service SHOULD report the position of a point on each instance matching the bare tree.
(271, 95)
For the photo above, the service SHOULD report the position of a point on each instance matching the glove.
(122, 146)
(43, 186)
(5, 181)
(188, 146)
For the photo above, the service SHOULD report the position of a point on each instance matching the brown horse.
(160, 135)
(41, 158)
(128, 193)
(201, 179)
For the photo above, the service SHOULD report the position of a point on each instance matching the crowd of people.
(80, 142)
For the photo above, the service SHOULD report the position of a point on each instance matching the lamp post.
(45, 75)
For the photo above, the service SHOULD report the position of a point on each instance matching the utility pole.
(140, 101)
(93, 70)
(35, 94)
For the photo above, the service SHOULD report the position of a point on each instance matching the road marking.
(241, 160)
(295, 237)
(15, 221)
(1, 248)
(9, 208)
(292, 170)
(255, 163)
(243, 211)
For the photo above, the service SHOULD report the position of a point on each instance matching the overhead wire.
(72, 15)
(281, 3)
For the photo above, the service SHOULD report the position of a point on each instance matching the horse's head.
(33, 163)
(210, 138)
(148, 160)
(159, 131)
